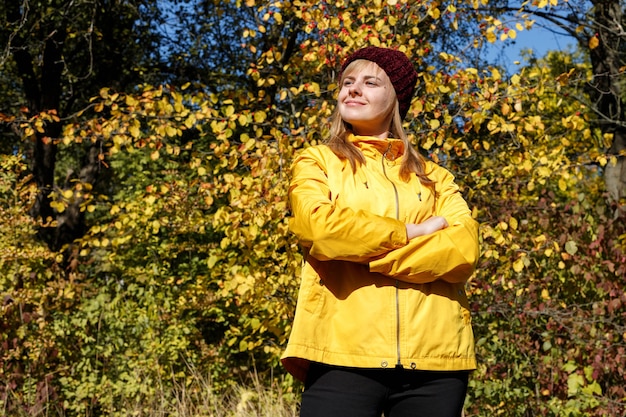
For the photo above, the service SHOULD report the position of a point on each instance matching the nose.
(355, 89)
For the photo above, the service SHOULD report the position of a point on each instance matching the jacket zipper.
(395, 190)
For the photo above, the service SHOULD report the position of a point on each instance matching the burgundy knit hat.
(397, 67)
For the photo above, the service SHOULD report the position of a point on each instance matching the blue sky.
(538, 39)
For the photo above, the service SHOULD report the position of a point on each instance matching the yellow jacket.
(369, 297)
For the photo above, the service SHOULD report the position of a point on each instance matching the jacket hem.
(296, 361)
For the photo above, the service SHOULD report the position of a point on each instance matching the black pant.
(352, 392)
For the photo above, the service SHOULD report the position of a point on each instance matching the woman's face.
(366, 99)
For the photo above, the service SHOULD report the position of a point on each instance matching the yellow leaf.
(418, 107)
(134, 131)
(250, 144)
(260, 116)
(562, 184)
(594, 42)
(131, 102)
(171, 131)
(527, 165)
(434, 124)
(58, 206)
(434, 12)
(374, 41)
(154, 155)
(545, 294)
(189, 122)
(314, 88)
(518, 265)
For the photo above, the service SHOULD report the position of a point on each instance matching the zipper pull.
(362, 177)
(419, 184)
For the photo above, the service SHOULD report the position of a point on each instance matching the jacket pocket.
(311, 290)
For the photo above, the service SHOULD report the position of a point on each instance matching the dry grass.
(197, 398)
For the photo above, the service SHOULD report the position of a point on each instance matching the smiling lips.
(354, 102)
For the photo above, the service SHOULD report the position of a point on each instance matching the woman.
(382, 322)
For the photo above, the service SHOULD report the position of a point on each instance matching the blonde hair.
(412, 162)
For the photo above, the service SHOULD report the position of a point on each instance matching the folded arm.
(443, 247)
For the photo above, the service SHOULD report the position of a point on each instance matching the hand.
(427, 227)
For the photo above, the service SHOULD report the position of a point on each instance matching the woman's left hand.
(427, 227)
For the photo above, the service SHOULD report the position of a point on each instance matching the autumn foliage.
(186, 264)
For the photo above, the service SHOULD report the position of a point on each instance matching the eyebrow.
(367, 77)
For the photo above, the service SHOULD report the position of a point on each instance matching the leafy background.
(145, 161)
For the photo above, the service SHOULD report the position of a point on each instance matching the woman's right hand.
(427, 227)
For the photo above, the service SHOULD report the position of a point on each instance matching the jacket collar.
(390, 147)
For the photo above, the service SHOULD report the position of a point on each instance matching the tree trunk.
(43, 94)
(606, 91)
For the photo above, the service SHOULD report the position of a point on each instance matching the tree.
(58, 55)
(597, 27)
(181, 258)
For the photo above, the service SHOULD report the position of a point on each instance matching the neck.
(375, 134)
